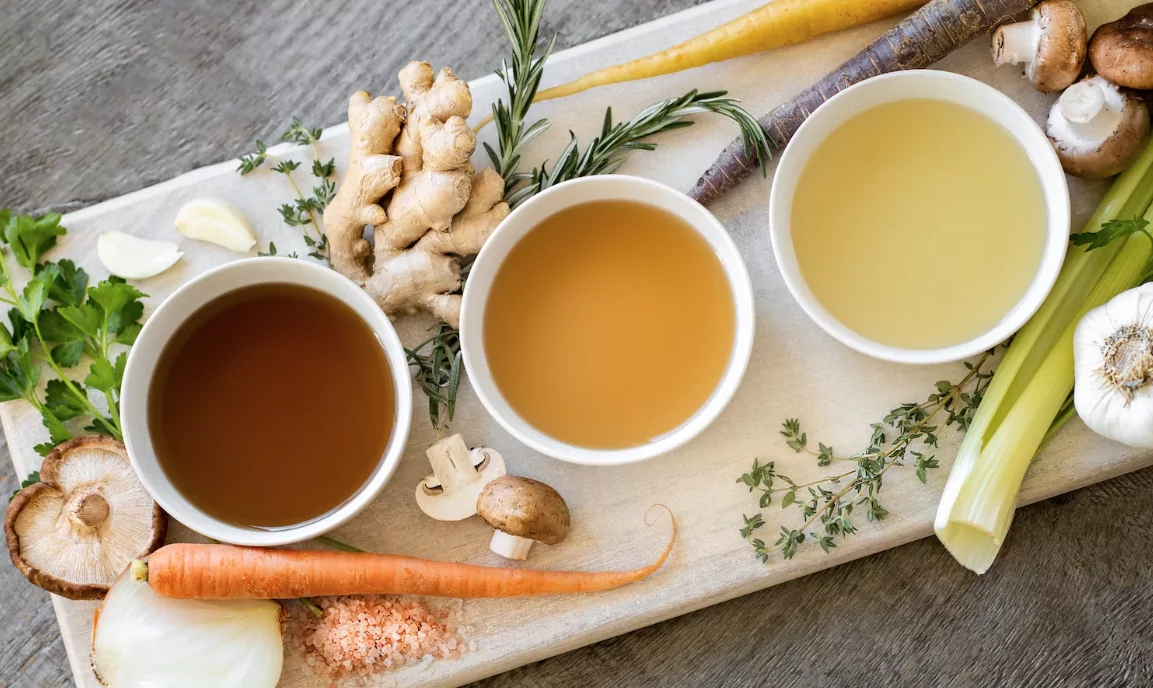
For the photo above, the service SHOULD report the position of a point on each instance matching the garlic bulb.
(1113, 361)
(143, 639)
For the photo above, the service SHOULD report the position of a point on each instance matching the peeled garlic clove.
(216, 222)
(134, 258)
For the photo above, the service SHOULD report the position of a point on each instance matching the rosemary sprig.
(609, 151)
(832, 504)
(303, 211)
(521, 22)
(438, 371)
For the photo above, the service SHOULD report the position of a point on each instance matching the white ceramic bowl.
(940, 86)
(160, 327)
(528, 216)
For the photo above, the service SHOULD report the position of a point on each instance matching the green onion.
(1029, 392)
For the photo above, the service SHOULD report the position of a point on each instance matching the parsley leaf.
(32, 479)
(1110, 231)
(29, 237)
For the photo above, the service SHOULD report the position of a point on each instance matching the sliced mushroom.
(458, 476)
(75, 531)
(1122, 51)
(1051, 45)
(522, 511)
(1097, 128)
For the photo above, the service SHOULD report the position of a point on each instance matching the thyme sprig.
(904, 435)
(304, 210)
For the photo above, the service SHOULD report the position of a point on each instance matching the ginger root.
(409, 177)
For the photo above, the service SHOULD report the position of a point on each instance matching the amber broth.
(271, 405)
(919, 223)
(609, 324)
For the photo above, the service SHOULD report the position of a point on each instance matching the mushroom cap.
(525, 508)
(1061, 45)
(1122, 51)
(1115, 153)
(75, 531)
(459, 474)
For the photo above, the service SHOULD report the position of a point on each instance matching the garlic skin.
(142, 639)
(1113, 363)
(131, 257)
(216, 222)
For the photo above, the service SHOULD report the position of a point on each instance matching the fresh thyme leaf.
(1110, 231)
(298, 133)
(894, 441)
(252, 161)
(286, 166)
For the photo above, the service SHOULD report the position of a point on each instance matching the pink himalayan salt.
(360, 636)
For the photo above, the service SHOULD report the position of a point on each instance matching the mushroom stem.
(1083, 107)
(510, 546)
(88, 508)
(1016, 43)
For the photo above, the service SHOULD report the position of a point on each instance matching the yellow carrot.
(773, 25)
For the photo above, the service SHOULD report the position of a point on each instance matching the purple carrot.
(924, 37)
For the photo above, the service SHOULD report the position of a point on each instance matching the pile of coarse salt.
(358, 637)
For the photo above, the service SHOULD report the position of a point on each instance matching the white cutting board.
(796, 371)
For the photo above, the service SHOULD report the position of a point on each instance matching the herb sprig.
(303, 212)
(904, 436)
(56, 320)
(438, 371)
(32, 479)
(1110, 231)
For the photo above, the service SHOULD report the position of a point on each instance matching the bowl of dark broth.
(266, 402)
(607, 320)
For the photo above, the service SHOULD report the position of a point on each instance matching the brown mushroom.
(75, 531)
(522, 511)
(1097, 128)
(1122, 51)
(1051, 44)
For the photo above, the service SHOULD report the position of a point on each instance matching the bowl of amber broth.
(607, 320)
(919, 217)
(266, 402)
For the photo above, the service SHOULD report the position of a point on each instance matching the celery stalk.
(1034, 379)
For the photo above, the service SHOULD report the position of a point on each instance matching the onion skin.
(142, 639)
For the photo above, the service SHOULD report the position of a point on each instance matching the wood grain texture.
(190, 87)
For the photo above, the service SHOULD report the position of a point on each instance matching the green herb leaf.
(1111, 231)
(70, 284)
(32, 479)
(29, 237)
(60, 400)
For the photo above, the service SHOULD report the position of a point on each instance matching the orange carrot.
(224, 572)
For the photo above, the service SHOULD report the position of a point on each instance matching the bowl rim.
(134, 404)
(565, 195)
(995, 105)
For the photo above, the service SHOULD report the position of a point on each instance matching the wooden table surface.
(100, 98)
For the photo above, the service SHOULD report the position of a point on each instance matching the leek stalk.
(1029, 391)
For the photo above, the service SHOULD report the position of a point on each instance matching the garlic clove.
(131, 257)
(216, 222)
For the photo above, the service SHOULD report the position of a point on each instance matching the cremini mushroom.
(1097, 128)
(77, 529)
(1122, 51)
(522, 511)
(458, 476)
(1051, 44)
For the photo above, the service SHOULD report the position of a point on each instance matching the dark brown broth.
(271, 405)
